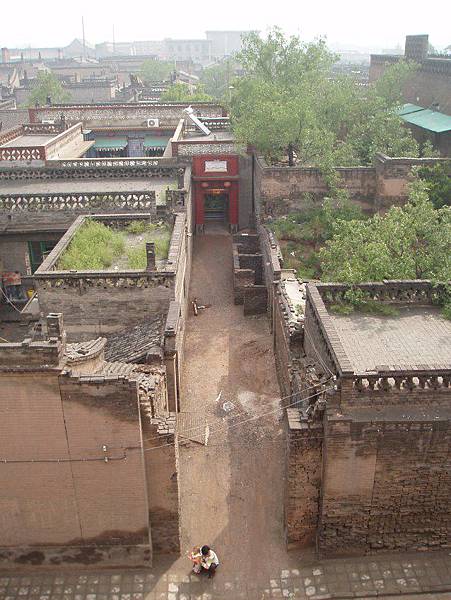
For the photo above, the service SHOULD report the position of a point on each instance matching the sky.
(374, 24)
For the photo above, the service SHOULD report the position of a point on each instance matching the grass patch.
(341, 309)
(97, 247)
(94, 247)
(446, 311)
(137, 258)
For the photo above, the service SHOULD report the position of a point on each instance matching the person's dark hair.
(205, 550)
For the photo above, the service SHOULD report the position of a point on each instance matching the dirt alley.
(231, 490)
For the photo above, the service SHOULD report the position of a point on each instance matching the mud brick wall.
(282, 190)
(255, 300)
(303, 482)
(271, 266)
(282, 352)
(316, 341)
(386, 486)
(82, 500)
(111, 496)
(162, 489)
(94, 307)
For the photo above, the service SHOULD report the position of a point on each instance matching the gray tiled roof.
(132, 344)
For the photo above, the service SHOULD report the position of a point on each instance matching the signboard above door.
(215, 166)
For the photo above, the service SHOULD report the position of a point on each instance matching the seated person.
(204, 559)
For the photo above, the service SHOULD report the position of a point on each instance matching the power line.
(202, 427)
(247, 420)
(106, 458)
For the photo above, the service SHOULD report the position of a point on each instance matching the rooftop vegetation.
(95, 246)
(336, 242)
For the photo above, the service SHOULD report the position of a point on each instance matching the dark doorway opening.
(216, 206)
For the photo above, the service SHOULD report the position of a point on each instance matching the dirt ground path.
(231, 490)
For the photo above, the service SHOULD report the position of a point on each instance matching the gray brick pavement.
(405, 575)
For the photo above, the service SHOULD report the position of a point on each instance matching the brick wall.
(82, 501)
(281, 190)
(386, 485)
(303, 482)
(98, 307)
(162, 481)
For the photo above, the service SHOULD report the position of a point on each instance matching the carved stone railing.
(402, 380)
(10, 134)
(83, 280)
(418, 291)
(44, 128)
(24, 153)
(95, 168)
(216, 123)
(126, 201)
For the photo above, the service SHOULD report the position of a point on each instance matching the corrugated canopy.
(110, 143)
(154, 141)
(429, 119)
(408, 108)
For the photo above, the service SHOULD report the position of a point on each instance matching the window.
(38, 251)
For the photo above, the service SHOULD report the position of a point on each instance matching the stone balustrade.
(44, 128)
(95, 168)
(123, 201)
(25, 153)
(420, 291)
(10, 134)
(407, 381)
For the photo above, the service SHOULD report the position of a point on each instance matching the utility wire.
(106, 458)
(202, 427)
(215, 430)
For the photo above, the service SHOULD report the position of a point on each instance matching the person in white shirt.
(207, 560)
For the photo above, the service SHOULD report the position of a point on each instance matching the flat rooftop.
(418, 336)
(29, 140)
(67, 186)
(215, 136)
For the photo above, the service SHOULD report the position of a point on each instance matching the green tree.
(47, 86)
(153, 71)
(287, 103)
(179, 92)
(409, 242)
(438, 181)
(218, 79)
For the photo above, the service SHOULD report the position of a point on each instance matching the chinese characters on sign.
(216, 166)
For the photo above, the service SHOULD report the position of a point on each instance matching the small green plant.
(94, 247)
(137, 227)
(341, 309)
(446, 311)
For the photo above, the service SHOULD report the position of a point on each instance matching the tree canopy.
(409, 242)
(180, 92)
(438, 181)
(153, 71)
(47, 86)
(288, 103)
(217, 79)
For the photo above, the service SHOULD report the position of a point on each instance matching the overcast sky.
(368, 23)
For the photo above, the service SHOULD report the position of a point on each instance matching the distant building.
(430, 86)
(226, 43)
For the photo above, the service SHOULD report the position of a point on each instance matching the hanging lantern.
(227, 184)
